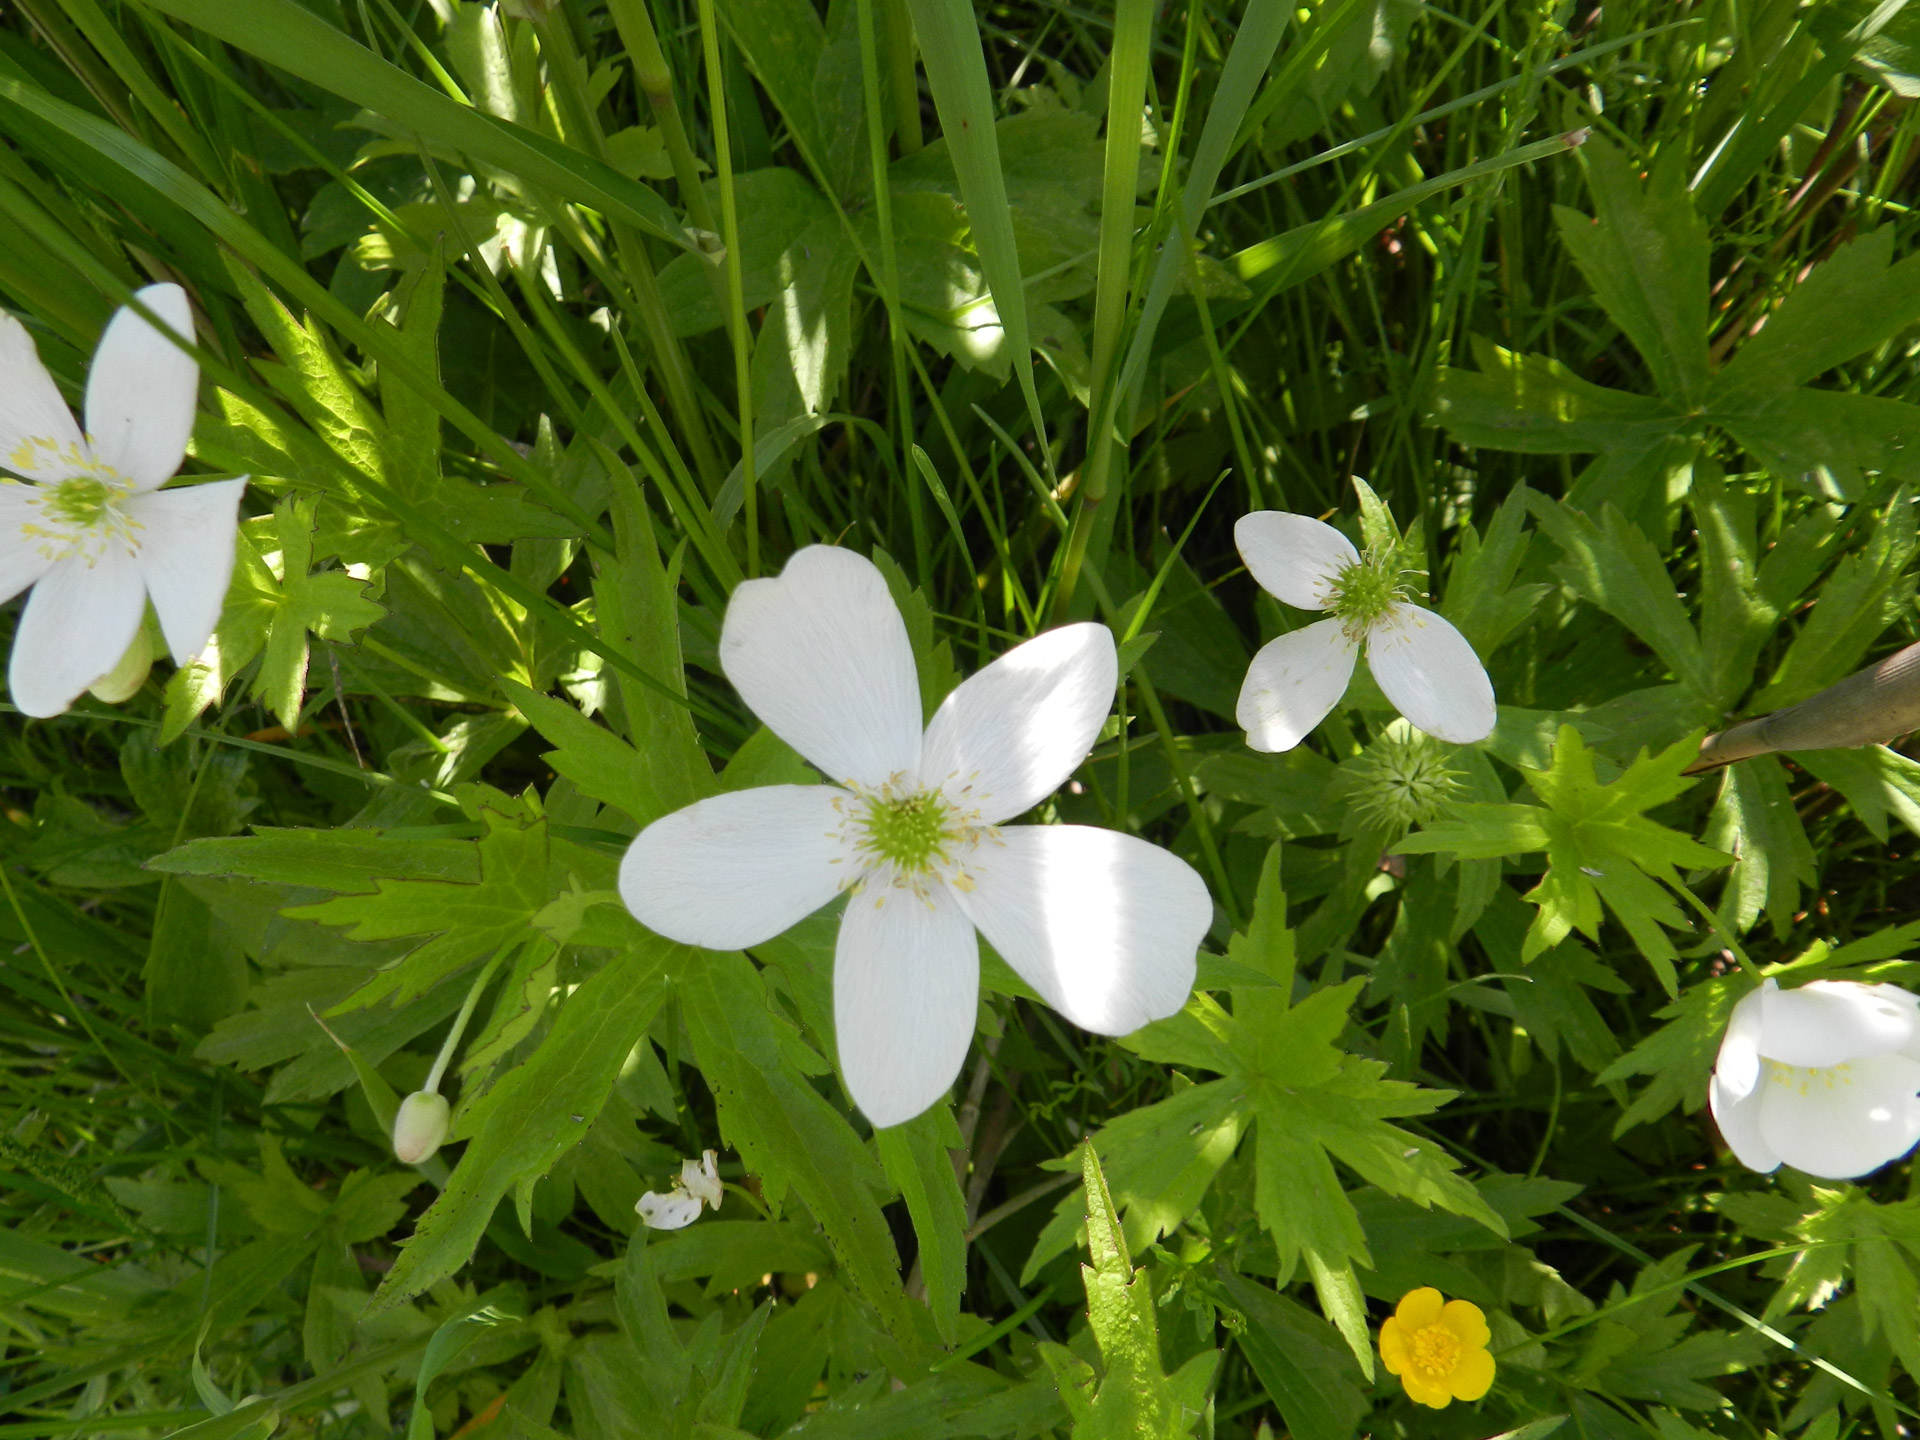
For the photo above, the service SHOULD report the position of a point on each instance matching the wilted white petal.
(186, 540)
(1292, 683)
(1738, 1116)
(1829, 1022)
(141, 389)
(674, 1210)
(77, 624)
(821, 656)
(1430, 673)
(1103, 925)
(38, 438)
(738, 868)
(1843, 1121)
(22, 560)
(906, 986)
(701, 1179)
(1009, 737)
(1737, 1067)
(1294, 558)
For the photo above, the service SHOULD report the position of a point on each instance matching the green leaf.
(1599, 844)
(1678, 1056)
(1755, 819)
(466, 921)
(536, 1112)
(1314, 1382)
(1645, 255)
(785, 1131)
(918, 1162)
(1535, 404)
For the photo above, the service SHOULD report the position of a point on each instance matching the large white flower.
(90, 529)
(1102, 925)
(1424, 665)
(1825, 1078)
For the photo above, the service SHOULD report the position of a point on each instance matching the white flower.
(1825, 1078)
(699, 1184)
(1104, 926)
(1424, 665)
(91, 530)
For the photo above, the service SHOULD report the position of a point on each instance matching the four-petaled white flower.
(1102, 925)
(1424, 665)
(91, 530)
(1825, 1078)
(699, 1184)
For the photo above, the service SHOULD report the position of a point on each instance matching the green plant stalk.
(113, 48)
(736, 298)
(1126, 99)
(903, 79)
(1202, 826)
(890, 286)
(655, 82)
(567, 81)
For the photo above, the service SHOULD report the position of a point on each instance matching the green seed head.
(910, 833)
(1400, 780)
(1367, 590)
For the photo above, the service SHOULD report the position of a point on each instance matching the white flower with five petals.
(699, 1184)
(1102, 925)
(90, 529)
(1825, 1078)
(1425, 666)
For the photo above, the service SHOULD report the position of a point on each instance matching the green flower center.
(1363, 594)
(910, 833)
(81, 501)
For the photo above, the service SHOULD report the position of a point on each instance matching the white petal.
(31, 410)
(1738, 1117)
(674, 1210)
(186, 558)
(739, 868)
(141, 390)
(1430, 673)
(77, 624)
(1293, 557)
(1009, 737)
(1103, 925)
(1737, 1067)
(906, 988)
(821, 655)
(21, 559)
(1292, 683)
(1842, 1122)
(701, 1179)
(1830, 1022)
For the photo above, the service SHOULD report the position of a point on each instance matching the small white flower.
(1825, 1078)
(699, 1184)
(1104, 926)
(1424, 665)
(91, 530)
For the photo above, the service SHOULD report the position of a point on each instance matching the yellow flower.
(1438, 1348)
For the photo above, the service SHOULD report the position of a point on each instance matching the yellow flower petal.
(1472, 1377)
(1425, 1392)
(1466, 1322)
(1420, 1308)
(1393, 1345)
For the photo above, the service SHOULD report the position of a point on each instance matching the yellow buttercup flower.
(1438, 1348)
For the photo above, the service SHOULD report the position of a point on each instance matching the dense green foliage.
(540, 325)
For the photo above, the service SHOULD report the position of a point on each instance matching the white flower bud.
(1823, 1078)
(700, 1179)
(699, 1184)
(419, 1126)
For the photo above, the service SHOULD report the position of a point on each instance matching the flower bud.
(123, 682)
(419, 1127)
